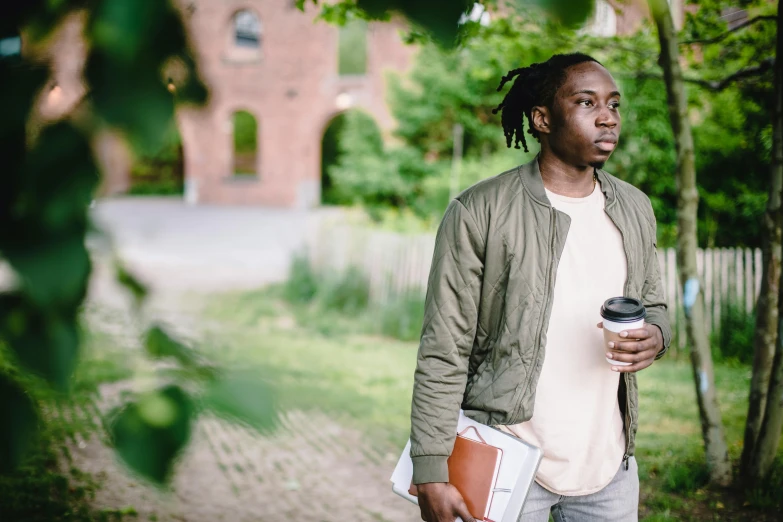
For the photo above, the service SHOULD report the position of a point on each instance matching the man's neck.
(564, 179)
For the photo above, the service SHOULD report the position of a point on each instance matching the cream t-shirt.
(576, 418)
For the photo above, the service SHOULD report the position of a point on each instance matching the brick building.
(280, 66)
(281, 70)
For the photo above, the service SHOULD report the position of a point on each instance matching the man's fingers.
(639, 333)
(463, 513)
(633, 346)
(600, 325)
(634, 367)
(632, 357)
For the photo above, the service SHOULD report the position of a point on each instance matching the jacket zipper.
(627, 426)
(627, 421)
(547, 295)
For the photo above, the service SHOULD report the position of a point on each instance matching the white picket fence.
(396, 263)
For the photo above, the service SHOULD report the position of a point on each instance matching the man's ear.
(541, 119)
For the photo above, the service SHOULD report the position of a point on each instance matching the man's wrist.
(662, 349)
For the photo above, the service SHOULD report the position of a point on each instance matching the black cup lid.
(623, 310)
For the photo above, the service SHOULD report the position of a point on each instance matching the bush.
(302, 284)
(401, 318)
(348, 293)
(734, 342)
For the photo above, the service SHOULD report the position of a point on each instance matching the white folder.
(516, 474)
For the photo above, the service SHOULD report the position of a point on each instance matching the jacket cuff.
(665, 334)
(430, 468)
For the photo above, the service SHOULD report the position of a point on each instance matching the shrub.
(401, 318)
(302, 284)
(348, 293)
(734, 341)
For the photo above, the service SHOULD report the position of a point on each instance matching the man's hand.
(441, 502)
(640, 350)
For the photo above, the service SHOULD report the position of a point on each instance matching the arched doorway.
(245, 132)
(349, 137)
(162, 171)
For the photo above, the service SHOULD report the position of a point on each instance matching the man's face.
(584, 123)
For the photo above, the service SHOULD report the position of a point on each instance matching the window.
(734, 16)
(353, 48)
(245, 144)
(604, 20)
(247, 29)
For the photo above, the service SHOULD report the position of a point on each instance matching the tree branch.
(722, 36)
(719, 85)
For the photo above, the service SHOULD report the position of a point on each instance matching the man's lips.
(607, 143)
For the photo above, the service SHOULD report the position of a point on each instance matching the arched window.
(352, 48)
(245, 144)
(604, 20)
(247, 29)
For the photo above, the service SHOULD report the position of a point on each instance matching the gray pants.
(618, 501)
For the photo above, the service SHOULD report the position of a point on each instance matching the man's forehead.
(588, 77)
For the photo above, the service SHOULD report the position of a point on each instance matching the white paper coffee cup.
(620, 314)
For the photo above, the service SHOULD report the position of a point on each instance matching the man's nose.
(607, 118)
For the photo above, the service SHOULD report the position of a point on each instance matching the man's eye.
(586, 103)
(615, 105)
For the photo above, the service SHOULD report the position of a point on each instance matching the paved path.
(179, 247)
(312, 468)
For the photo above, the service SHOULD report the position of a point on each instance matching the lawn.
(321, 360)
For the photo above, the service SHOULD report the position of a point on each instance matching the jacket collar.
(530, 175)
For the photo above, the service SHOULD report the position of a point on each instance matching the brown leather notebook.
(473, 470)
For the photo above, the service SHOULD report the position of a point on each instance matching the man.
(512, 333)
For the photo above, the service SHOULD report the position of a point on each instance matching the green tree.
(48, 181)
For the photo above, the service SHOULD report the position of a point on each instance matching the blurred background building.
(279, 82)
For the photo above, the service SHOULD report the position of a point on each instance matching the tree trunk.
(766, 331)
(716, 452)
(769, 433)
(766, 311)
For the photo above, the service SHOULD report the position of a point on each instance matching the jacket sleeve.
(448, 332)
(653, 296)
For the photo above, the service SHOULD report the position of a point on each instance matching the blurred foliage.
(302, 283)
(161, 171)
(443, 21)
(138, 67)
(245, 128)
(731, 126)
(151, 431)
(352, 48)
(365, 171)
(337, 303)
(734, 340)
(245, 132)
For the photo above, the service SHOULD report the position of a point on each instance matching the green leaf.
(20, 424)
(45, 218)
(129, 281)
(242, 396)
(150, 433)
(45, 342)
(160, 345)
(570, 13)
(133, 43)
(439, 17)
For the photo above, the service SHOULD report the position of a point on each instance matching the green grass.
(366, 378)
(322, 360)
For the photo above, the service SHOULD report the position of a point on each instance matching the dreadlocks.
(534, 86)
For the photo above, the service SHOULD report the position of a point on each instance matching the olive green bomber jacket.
(489, 298)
